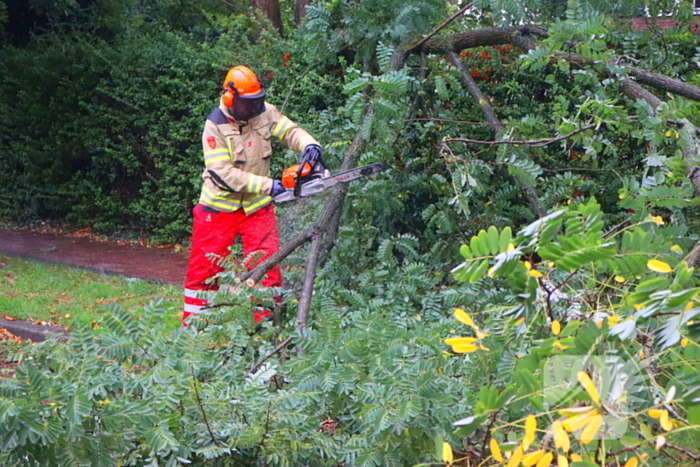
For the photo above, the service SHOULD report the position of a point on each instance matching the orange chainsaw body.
(289, 176)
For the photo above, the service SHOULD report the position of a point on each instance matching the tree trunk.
(300, 11)
(271, 10)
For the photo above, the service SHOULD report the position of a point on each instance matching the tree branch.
(476, 93)
(684, 451)
(201, 408)
(308, 288)
(260, 362)
(671, 85)
(439, 28)
(534, 143)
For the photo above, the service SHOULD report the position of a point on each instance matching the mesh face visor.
(245, 108)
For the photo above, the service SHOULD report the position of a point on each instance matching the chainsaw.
(302, 181)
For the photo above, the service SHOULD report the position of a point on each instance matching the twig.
(535, 143)
(281, 346)
(201, 408)
(684, 451)
(550, 312)
(488, 430)
(294, 83)
(444, 120)
(439, 28)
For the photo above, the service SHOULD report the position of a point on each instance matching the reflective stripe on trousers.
(213, 233)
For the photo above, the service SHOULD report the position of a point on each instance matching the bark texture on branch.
(478, 96)
(665, 83)
(525, 37)
(494, 122)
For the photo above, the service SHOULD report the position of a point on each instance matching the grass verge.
(31, 290)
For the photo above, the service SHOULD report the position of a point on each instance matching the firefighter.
(237, 192)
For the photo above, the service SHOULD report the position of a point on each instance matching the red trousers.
(213, 233)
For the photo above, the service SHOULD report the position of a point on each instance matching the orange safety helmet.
(241, 81)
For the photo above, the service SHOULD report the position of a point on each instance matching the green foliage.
(572, 218)
(626, 295)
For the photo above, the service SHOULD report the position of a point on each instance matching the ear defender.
(229, 95)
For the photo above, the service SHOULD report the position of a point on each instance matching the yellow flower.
(531, 459)
(463, 317)
(620, 279)
(520, 321)
(575, 411)
(657, 219)
(464, 348)
(530, 429)
(495, 450)
(576, 458)
(535, 273)
(632, 462)
(659, 266)
(561, 439)
(560, 346)
(447, 453)
(589, 433)
(480, 335)
(666, 424)
(688, 307)
(460, 340)
(528, 265)
(562, 461)
(546, 460)
(589, 386)
(556, 327)
(576, 422)
(516, 457)
(511, 247)
(684, 342)
(678, 250)
(655, 413)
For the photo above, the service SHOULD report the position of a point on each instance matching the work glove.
(313, 155)
(277, 188)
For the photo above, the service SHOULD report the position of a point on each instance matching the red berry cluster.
(285, 59)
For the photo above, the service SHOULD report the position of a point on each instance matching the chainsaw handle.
(286, 195)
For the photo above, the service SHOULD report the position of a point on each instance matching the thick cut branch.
(671, 85)
(524, 37)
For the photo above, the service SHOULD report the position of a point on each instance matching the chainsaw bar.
(321, 184)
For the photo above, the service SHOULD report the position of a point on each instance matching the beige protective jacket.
(237, 157)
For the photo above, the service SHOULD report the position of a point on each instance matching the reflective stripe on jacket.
(237, 157)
